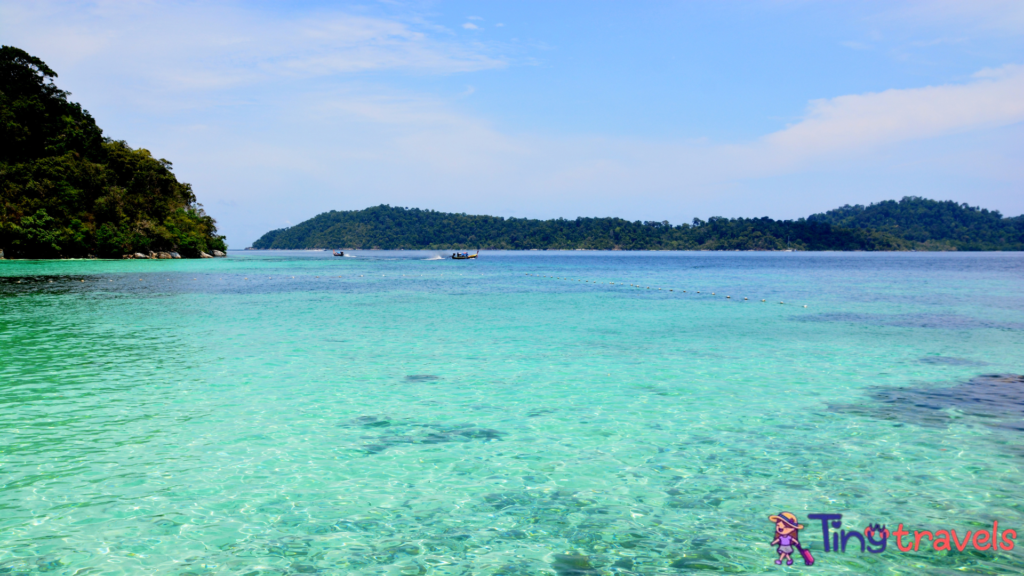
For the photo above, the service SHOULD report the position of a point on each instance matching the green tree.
(66, 191)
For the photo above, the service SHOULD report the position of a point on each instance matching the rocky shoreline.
(153, 255)
(169, 255)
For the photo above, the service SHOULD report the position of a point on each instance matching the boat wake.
(434, 258)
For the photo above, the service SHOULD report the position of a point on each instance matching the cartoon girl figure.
(786, 530)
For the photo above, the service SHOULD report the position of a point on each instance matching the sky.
(278, 111)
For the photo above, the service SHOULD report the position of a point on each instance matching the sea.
(524, 413)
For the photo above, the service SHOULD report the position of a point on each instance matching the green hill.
(932, 224)
(67, 191)
(914, 224)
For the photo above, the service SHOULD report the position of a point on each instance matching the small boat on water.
(464, 255)
(339, 253)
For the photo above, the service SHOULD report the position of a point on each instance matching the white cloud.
(470, 26)
(856, 122)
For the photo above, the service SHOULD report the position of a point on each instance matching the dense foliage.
(66, 191)
(914, 223)
(391, 228)
(933, 224)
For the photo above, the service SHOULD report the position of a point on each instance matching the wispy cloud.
(190, 46)
(844, 124)
(470, 26)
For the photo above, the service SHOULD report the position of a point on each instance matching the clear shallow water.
(290, 413)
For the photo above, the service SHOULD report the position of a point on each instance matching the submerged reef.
(995, 400)
(404, 433)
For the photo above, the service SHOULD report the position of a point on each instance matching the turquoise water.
(294, 413)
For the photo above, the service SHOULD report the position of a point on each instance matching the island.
(909, 224)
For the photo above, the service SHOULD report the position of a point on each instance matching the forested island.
(66, 191)
(909, 224)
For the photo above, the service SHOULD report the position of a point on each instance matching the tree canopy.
(932, 224)
(67, 191)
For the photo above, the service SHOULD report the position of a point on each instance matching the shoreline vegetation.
(67, 191)
(910, 224)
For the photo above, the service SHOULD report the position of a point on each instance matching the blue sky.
(278, 111)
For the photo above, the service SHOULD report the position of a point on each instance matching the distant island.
(66, 191)
(910, 224)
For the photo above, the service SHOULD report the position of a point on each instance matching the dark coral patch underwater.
(950, 361)
(996, 400)
(421, 378)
